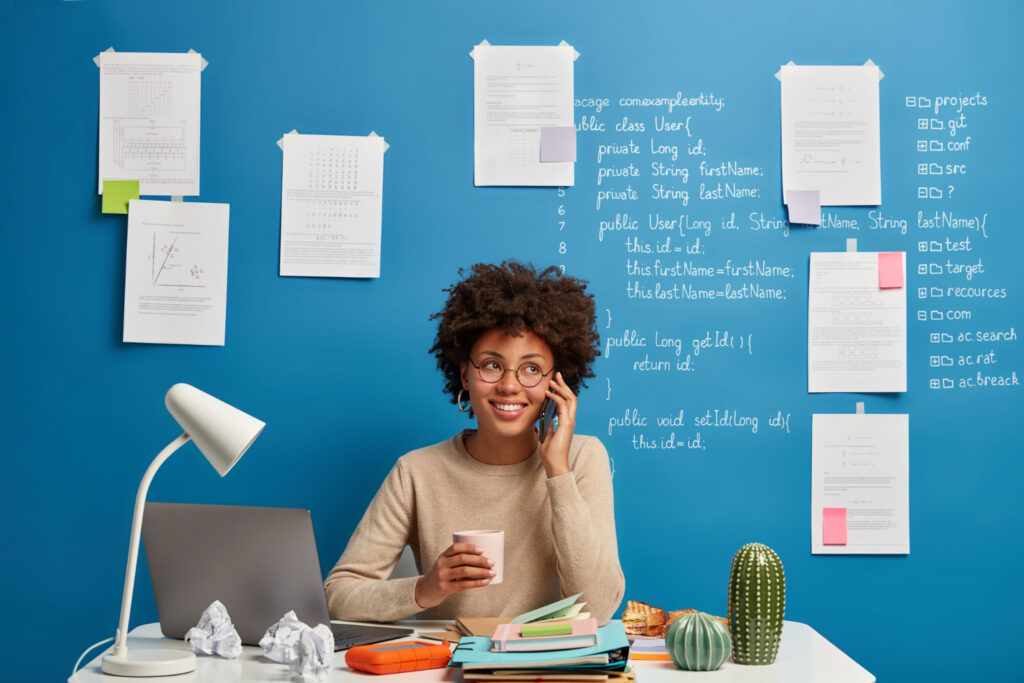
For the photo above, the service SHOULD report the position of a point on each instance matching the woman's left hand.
(554, 450)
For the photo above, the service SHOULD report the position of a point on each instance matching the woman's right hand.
(461, 567)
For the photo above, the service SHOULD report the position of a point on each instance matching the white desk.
(804, 657)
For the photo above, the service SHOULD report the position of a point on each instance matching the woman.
(509, 338)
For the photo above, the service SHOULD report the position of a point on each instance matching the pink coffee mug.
(493, 545)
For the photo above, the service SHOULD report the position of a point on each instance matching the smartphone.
(547, 415)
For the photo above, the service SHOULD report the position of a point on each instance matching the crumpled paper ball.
(315, 652)
(307, 651)
(214, 634)
(281, 639)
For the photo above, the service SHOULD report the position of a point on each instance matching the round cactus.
(757, 603)
(698, 642)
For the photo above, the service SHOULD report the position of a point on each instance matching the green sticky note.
(117, 193)
(538, 630)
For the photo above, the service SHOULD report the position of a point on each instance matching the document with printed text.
(830, 133)
(176, 273)
(856, 331)
(331, 199)
(517, 92)
(860, 465)
(149, 121)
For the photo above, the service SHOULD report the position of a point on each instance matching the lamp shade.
(221, 432)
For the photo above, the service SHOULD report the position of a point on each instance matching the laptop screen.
(260, 562)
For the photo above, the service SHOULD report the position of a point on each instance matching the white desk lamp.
(222, 433)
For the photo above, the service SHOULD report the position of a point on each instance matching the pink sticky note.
(890, 269)
(558, 143)
(833, 526)
(804, 206)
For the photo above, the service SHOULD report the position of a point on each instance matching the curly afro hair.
(515, 297)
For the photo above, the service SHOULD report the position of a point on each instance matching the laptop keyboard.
(347, 635)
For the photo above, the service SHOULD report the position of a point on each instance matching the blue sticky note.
(558, 143)
(804, 206)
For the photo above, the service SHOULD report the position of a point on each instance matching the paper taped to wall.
(517, 92)
(176, 273)
(331, 202)
(149, 120)
(860, 464)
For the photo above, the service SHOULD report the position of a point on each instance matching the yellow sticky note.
(117, 193)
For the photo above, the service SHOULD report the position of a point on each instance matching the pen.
(440, 639)
(428, 637)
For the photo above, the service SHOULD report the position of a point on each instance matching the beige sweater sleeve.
(358, 588)
(583, 528)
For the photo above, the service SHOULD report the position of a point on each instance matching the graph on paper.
(174, 261)
(175, 285)
(150, 149)
(150, 121)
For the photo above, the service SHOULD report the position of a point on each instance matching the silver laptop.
(259, 562)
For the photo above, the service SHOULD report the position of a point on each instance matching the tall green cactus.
(757, 603)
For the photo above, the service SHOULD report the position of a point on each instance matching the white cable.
(87, 650)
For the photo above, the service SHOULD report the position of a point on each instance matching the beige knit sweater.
(559, 534)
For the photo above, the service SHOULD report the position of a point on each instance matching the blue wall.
(316, 358)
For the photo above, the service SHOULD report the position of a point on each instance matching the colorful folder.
(610, 653)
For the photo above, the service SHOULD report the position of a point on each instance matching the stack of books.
(557, 642)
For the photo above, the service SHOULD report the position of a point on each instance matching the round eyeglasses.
(529, 374)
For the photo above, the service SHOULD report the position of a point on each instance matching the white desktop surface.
(804, 657)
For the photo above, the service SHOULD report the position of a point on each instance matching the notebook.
(551, 636)
(259, 562)
(566, 608)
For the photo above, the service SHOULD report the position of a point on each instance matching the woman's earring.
(458, 401)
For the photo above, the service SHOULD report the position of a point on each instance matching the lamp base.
(149, 663)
